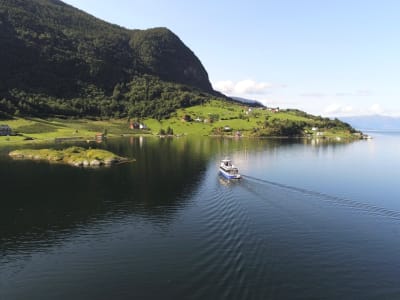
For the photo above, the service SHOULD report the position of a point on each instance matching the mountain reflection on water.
(41, 199)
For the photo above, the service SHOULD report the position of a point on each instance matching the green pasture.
(209, 118)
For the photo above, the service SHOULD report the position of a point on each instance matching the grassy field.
(35, 130)
(239, 118)
(207, 119)
(229, 114)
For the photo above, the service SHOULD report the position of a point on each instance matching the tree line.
(144, 96)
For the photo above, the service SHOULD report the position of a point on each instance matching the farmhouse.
(273, 109)
(99, 137)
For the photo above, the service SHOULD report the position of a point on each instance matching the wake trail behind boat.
(364, 207)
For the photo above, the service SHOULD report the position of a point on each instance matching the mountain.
(55, 52)
(374, 122)
(249, 102)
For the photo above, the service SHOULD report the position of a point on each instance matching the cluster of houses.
(271, 109)
(188, 118)
(5, 130)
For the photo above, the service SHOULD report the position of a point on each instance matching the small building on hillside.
(5, 130)
(273, 109)
(187, 118)
(134, 125)
(137, 125)
(100, 137)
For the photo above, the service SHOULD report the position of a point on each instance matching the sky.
(327, 57)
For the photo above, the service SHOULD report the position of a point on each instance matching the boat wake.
(348, 203)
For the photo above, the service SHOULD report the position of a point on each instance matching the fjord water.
(308, 220)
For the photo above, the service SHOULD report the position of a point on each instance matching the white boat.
(228, 170)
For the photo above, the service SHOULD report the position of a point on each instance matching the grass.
(34, 130)
(75, 156)
(237, 117)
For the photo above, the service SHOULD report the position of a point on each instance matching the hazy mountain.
(374, 122)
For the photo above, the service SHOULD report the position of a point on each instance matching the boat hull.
(229, 176)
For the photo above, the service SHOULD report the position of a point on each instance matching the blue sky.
(330, 58)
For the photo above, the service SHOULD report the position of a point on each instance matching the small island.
(74, 156)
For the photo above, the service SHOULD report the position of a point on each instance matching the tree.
(117, 92)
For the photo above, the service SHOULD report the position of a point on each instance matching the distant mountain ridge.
(249, 102)
(373, 122)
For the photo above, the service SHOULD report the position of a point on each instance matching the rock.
(85, 163)
(95, 163)
(78, 164)
(55, 158)
(110, 161)
(16, 154)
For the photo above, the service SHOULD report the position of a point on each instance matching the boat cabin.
(226, 163)
(228, 170)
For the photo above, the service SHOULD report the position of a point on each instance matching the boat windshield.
(227, 163)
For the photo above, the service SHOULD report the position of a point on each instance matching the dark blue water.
(309, 220)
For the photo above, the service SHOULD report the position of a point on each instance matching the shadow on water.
(41, 201)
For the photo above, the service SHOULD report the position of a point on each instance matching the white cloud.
(269, 102)
(313, 95)
(364, 93)
(359, 93)
(251, 87)
(343, 94)
(225, 87)
(334, 109)
(376, 109)
(241, 88)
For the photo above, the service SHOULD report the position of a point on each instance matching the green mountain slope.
(50, 50)
(58, 61)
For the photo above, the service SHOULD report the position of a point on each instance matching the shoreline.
(36, 131)
(88, 140)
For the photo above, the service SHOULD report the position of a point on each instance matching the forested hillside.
(58, 60)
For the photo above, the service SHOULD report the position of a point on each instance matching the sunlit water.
(309, 220)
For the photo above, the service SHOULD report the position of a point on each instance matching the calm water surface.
(309, 220)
